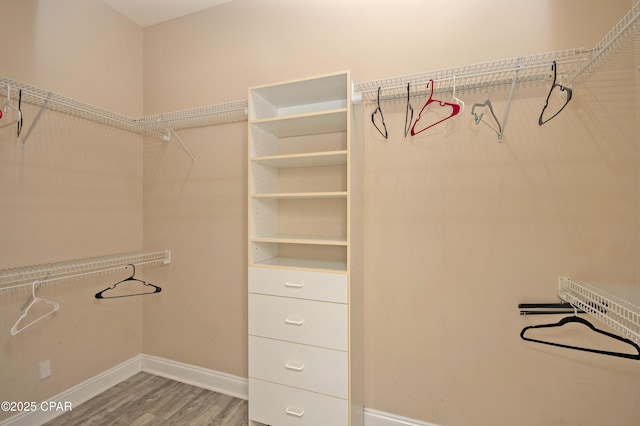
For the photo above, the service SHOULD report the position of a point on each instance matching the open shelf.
(314, 253)
(299, 96)
(301, 239)
(329, 158)
(305, 124)
(304, 264)
(302, 195)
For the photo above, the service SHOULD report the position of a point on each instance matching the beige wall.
(459, 229)
(199, 212)
(75, 191)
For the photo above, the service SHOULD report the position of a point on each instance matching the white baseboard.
(380, 418)
(78, 394)
(190, 374)
(208, 379)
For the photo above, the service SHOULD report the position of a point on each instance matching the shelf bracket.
(167, 137)
(35, 121)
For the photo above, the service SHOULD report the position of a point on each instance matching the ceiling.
(151, 12)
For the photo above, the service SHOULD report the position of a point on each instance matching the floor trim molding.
(217, 381)
(190, 374)
(79, 393)
(380, 418)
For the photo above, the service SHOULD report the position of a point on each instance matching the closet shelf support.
(35, 121)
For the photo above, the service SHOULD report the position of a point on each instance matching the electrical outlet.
(45, 369)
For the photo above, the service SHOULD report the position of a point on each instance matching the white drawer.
(280, 405)
(301, 321)
(301, 366)
(299, 284)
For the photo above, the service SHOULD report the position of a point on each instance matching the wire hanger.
(576, 319)
(455, 109)
(25, 310)
(568, 91)
(408, 118)
(501, 125)
(100, 294)
(373, 120)
(478, 117)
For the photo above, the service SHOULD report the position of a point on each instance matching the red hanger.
(455, 110)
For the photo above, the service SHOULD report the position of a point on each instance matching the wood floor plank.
(146, 399)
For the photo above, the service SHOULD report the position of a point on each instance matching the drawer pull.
(294, 412)
(294, 322)
(290, 366)
(294, 285)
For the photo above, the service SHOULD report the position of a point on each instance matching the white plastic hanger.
(453, 96)
(25, 310)
(455, 100)
(7, 105)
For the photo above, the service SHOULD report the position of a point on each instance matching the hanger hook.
(430, 85)
(134, 269)
(33, 288)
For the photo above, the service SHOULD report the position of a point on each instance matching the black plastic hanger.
(408, 119)
(100, 295)
(19, 113)
(373, 120)
(553, 86)
(455, 109)
(577, 319)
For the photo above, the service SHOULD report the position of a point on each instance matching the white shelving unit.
(298, 164)
(305, 291)
(616, 305)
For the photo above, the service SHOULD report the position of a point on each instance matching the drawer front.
(299, 284)
(301, 366)
(300, 321)
(280, 405)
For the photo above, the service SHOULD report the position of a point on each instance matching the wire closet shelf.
(156, 125)
(575, 65)
(622, 35)
(526, 70)
(13, 278)
(617, 306)
(229, 112)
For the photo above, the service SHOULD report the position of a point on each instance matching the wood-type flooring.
(146, 399)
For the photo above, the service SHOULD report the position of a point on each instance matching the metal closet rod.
(13, 278)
